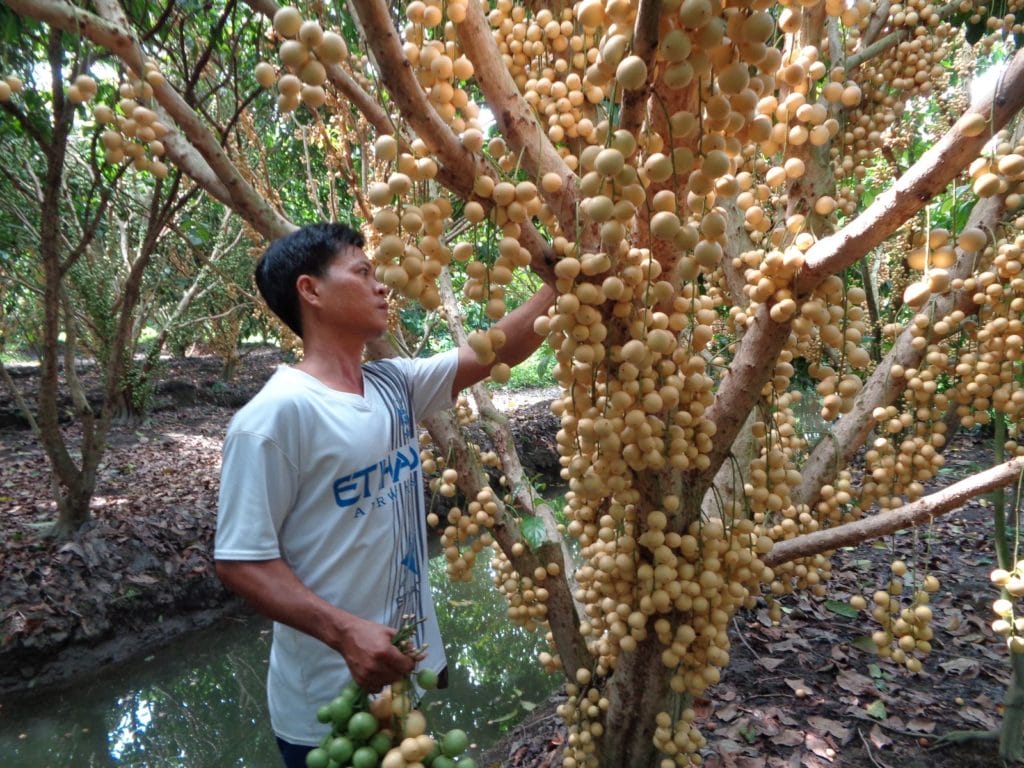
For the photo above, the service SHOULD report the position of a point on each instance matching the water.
(200, 703)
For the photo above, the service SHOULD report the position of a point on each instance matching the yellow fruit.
(311, 33)
(500, 373)
(972, 239)
(289, 85)
(675, 46)
(103, 113)
(266, 75)
(973, 124)
(609, 162)
(287, 21)
(551, 182)
(415, 724)
(386, 148)
(591, 14)
(332, 48)
(293, 53)
(313, 73)
(1012, 165)
(986, 185)
(916, 294)
(313, 96)
(631, 73)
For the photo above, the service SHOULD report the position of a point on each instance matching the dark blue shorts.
(294, 755)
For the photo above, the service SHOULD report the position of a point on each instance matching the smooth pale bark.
(915, 513)
(645, 45)
(636, 692)
(727, 487)
(738, 242)
(515, 117)
(879, 20)
(927, 178)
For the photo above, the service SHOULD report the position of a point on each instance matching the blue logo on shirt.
(369, 481)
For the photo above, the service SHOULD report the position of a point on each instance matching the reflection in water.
(136, 719)
(199, 703)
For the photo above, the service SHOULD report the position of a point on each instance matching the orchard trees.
(744, 207)
(87, 248)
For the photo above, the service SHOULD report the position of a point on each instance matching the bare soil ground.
(806, 692)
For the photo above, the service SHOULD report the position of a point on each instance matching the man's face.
(350, 296)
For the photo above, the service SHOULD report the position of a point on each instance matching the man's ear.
(307, 288)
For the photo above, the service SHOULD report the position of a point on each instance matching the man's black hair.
(307, 251)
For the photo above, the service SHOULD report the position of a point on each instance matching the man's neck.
(337, 369)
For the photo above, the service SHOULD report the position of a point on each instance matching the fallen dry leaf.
(819, 746)
(727, 713)
(921, 725)
(797, 685)
(979, 717)
(961, 666)
(832, 727)
(879, 738)
(856, 683)
(788, 738)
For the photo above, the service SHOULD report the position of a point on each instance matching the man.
(321, 523)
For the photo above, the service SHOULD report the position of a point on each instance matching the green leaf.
(532, 529)
(843, 609)
(874, 670)
(504, 718)
(877, 710)
(865, 643)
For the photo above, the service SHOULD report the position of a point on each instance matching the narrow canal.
(199, 703)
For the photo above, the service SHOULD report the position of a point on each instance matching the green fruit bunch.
(386, 731)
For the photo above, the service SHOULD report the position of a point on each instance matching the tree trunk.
(636, 693)
(73, 504)
(1011, 733)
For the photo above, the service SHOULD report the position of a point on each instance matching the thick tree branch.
(563, 615)
(890, 40)
(926, 178)
(741, 387)
(515, 117)
(922, 182)
(879, 18)
(397, 74)
(645, 45)
(922, 510)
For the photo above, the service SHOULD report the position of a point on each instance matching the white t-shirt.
(330, 482)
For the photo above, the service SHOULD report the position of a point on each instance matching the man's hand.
(370, 653)
(276, 592)
(520, 340)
